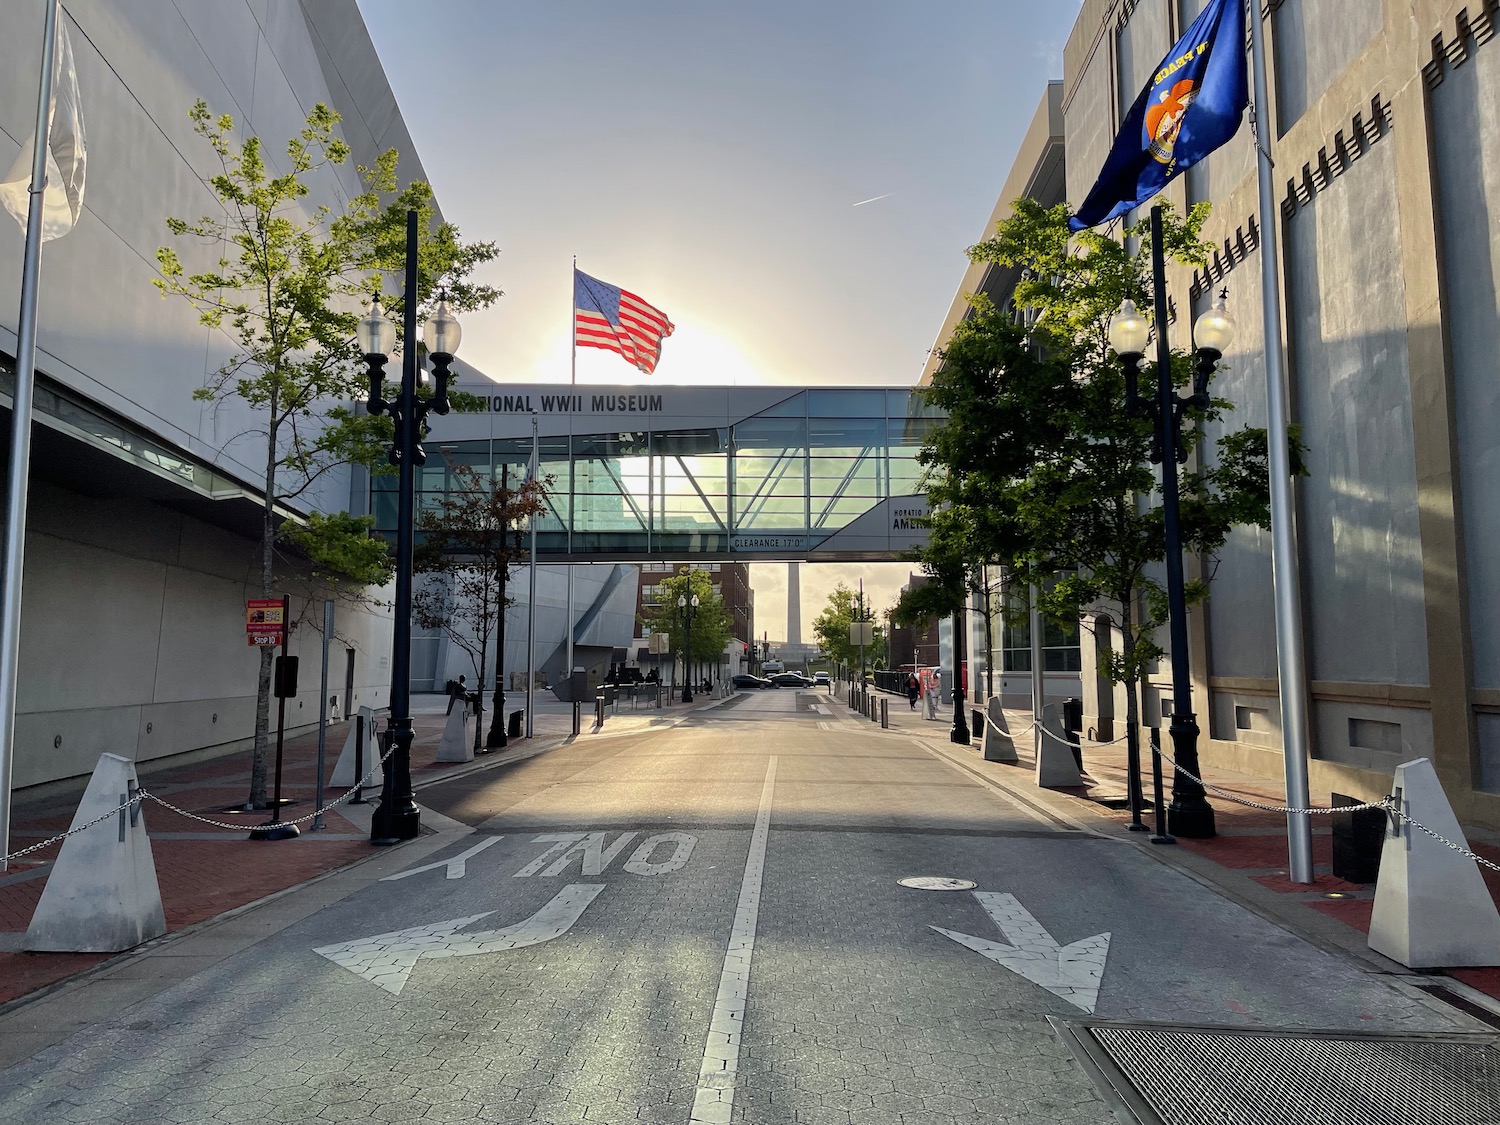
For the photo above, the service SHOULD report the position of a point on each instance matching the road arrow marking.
(1073, 972)
(388, 959)
(455, 868)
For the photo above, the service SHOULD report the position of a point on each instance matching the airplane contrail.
(874, 199)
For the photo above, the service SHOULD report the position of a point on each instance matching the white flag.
(62, 203)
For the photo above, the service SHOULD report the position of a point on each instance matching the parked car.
(790, 679)
(745, 680)
(820, 678)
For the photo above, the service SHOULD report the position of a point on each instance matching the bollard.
(885, 714)
(101, 895)
(1432, 908)
(577, 717)
(513, 729)
(455, 745)
(599, 704)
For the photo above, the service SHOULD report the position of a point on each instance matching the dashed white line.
(714, 1101)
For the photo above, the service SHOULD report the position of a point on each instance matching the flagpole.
(1290, 660)
(20, 441)
(536, 464)
(572, 381)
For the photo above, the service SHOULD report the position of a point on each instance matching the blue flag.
(1193, 104)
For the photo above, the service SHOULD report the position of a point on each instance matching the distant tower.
(793, 604)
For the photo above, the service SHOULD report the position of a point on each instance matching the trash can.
(1073, 725)
(1358, 837)
(513, 729)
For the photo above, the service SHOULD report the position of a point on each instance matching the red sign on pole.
(265, 621)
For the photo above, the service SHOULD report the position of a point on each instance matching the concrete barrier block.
(997, 744)
(102, 895)
(344, 775)
(457, 744)
(1432, 909)
(1055, 765)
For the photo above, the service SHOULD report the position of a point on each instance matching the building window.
(1060, 651)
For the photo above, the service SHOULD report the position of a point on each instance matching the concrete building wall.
(132, 629)
(1387, 173)
(133, 640)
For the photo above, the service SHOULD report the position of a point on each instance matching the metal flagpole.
(1290, 660)
(536, 463)
(572, 381)
(20, 427)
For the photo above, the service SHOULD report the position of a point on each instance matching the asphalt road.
(707, 924)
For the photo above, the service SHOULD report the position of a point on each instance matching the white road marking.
(1075, 972)
(714, 1102)
(456, 867)
(640, 861)
(596, 857)
(563, 841)
(388, 959)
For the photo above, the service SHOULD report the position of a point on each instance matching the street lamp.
(397, 818)
(1190, 814)
(687, 605)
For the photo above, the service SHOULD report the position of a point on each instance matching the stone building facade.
(1384, 126)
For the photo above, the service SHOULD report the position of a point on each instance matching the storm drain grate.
(1166, 1074)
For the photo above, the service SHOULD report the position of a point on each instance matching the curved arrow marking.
(1075, 972)
(388, 959)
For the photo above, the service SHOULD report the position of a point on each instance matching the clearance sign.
(265, 621)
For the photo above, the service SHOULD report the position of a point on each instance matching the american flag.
(606, 316)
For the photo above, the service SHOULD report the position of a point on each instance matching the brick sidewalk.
(202, 871)
(1251, 844)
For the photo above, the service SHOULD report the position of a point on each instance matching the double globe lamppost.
(1189, 815)
(687, 605)
(396, 818)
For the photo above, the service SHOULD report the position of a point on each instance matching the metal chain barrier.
(142, 795)
(348, 794)
(1387, 804)
(135, 799)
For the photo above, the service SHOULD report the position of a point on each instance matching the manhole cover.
(937, 883)
(1170, 1074)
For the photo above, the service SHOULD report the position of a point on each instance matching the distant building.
(731, 581)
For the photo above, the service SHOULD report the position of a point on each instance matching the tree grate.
(1171, 1074)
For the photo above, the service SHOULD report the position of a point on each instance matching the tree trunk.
(496, 736)
(484, 639)
(260, 751)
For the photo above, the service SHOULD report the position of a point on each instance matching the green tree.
(1041, 457)
(713, 623)
(471, 540)
(831, 627)
(285, 283)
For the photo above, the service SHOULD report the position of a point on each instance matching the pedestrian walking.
(913, 689)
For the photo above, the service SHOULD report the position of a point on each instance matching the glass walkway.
(710, 473)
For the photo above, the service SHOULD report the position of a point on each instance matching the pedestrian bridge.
(724, 474)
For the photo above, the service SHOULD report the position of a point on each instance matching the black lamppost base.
(960, 732)
(1192, 820)
(274, 830)
(393, 827)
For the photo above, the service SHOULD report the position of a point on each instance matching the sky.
(793, 183)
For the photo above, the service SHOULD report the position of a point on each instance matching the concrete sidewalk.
(1247, 860)
(204, 871)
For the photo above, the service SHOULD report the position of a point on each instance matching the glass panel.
(906, 474)
(794, 407)
(845, 403)
(912, 431)
(910, 404)
(849, 436)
